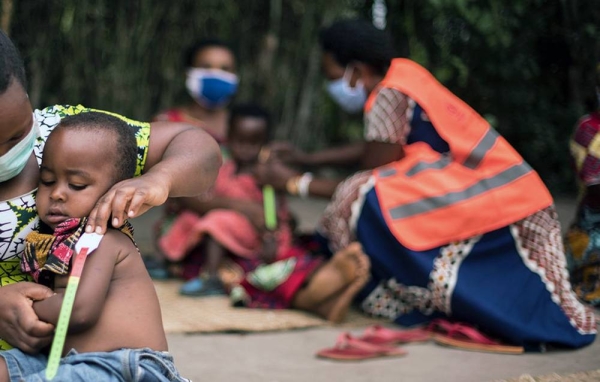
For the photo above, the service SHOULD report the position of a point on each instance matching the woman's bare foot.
(331, 289)
(335, 308)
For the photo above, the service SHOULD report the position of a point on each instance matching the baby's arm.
(93, 287)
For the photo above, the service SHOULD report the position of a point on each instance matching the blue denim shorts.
(144, 365)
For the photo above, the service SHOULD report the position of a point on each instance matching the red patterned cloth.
(585, 149)
(52, 252)
(274, 286)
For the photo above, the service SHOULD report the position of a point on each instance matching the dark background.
(528, 66)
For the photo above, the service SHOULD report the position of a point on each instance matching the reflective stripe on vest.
(430, 199)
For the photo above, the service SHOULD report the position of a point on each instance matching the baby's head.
(84, 156)
(249, 127)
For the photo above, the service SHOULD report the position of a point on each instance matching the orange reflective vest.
(430, 199)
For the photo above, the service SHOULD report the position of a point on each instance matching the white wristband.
(303, 184)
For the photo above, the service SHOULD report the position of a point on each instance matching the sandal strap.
(472, 334)
(451, 329)
(345, 341)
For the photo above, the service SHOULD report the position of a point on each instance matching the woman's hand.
(128, 199)
(19, 325)
(288, 153)
(275, 173)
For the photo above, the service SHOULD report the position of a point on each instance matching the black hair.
(358, 40)
(190, 53)
(125, 160)
(11, 64)
(249, 110)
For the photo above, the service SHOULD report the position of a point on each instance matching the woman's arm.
(377, 154)
(182, 161)
(346, 155)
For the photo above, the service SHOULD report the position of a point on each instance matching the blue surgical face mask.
(211, 88)
(351, 99)
(15, 159)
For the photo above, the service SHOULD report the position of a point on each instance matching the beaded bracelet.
(303, 184)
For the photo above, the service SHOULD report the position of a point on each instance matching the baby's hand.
(269, 249)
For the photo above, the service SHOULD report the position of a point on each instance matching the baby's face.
(247, 137)
(77, 169)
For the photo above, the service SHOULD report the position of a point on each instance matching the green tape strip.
(270, 209)
(62, 326)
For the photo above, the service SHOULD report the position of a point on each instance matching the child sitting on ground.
(116, 330)
(231, 220)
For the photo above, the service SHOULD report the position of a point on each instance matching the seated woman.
(454, 221)
(211, 82)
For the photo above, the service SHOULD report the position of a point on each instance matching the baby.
(116, 330)
(228, 225)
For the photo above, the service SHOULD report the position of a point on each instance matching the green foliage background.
(527, 65)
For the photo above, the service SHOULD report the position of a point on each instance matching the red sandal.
(466, 337)
(379, 335)
(348, 348)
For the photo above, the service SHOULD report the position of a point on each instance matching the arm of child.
(269, 250)
(93, 285)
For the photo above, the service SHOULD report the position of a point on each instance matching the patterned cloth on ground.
(273, 286)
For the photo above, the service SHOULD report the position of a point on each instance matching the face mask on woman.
(350, 99)
(15, 159)
(211, 88)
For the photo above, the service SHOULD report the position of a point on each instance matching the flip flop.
(466, 337)
(348, 348)
(379, 335)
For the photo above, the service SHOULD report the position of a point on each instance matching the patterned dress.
(19, 215)
(511, 283)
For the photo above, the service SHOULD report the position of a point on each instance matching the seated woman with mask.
(211, 82)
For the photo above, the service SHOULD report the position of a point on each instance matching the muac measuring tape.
(86, 244)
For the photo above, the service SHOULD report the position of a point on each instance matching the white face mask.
(351, 99)
(15, 160)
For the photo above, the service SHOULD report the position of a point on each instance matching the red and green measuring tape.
(86, 244)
